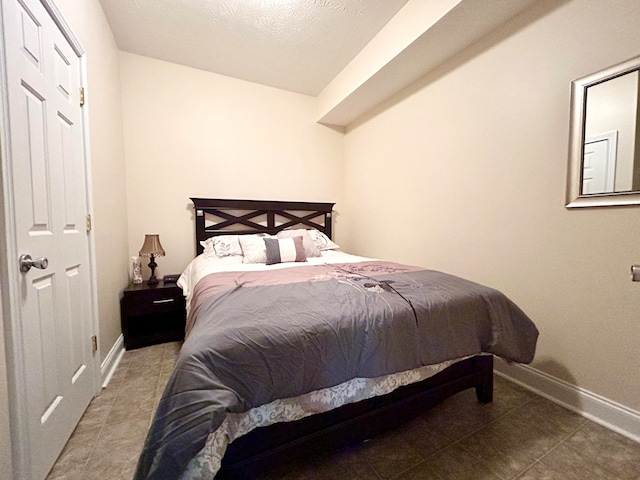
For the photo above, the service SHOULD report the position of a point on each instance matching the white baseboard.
(112, 360)
(603, 411)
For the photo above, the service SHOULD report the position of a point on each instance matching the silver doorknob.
(26, 262)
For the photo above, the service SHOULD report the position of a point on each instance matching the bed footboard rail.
(268, 447)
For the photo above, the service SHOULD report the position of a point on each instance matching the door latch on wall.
(635, 273)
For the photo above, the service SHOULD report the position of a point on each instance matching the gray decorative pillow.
(280, 250)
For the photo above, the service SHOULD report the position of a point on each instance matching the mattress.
(272, 343)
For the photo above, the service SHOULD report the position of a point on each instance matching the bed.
(294, 346)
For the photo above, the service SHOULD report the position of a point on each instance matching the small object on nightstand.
(171, 278)
(152, 313)
(136, 270)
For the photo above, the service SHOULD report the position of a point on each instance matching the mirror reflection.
(610, 153)
(604, 148)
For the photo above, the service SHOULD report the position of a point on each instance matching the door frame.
(9, 269)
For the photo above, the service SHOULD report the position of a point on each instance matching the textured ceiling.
(296, 45)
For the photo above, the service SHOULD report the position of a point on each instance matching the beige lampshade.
(152, 246)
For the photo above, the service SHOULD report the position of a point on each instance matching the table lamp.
(152, 248)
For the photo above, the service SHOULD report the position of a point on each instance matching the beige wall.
(465, 170)
(87, 21)
(190, 133)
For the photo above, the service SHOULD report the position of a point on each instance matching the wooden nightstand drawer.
(140, 302)
(152, 314)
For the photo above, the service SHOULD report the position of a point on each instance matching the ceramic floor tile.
(112, 465)
(518, 435)
(463, 414)
(508, 459)
(548, 416)
(172, 350)
(338, 465)
(302, 469)
(131, 355)
(428, 434)
(124, 434)
(164, 375)
(124, 363)
(536, 427)
(168, 361)
(541, 472)
(609, 449)
(96, 414)
(150, 362)
(509, 395)
(75, 454)
(128, 471)
(457, 463)
(138, 372)
(440, 427)
(106, 395)
(535, 441)
(557, 471)
(121, 370)
(152, 354)
(389, 454)
(421, 471)
(350, 462)
(576, 465)
(147, 381)
(132, 403)
(62, 471)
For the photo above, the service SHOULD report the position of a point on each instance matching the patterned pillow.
(280, 250)
(253, 248)
(310, 249)
(322, 241)
(222, 246)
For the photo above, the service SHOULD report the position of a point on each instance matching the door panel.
(50, 203)
(36, 164)
(599, 164)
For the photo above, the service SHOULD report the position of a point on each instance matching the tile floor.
(518, 436)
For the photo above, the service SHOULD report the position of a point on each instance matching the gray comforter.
(260, 336)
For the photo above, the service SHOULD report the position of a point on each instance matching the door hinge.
(94, 344)
(82, 96)
(88, 222)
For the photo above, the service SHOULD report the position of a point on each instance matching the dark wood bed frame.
(225, 217)
(267, 447)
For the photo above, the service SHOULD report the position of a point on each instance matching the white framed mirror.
(604, 144)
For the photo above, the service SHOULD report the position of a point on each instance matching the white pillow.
(310, 249)
(322, 241)
(253, 248)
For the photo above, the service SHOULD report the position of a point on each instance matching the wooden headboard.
(237, 217)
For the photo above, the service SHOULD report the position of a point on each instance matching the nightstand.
(152, 314)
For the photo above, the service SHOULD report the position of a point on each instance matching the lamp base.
(152, 265)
